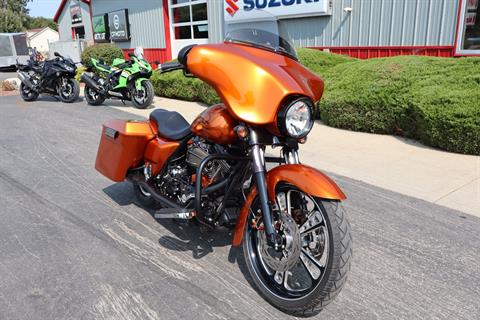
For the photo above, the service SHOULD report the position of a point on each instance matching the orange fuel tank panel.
(216, 125)
(121, 147)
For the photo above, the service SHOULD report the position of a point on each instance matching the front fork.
(258, 158)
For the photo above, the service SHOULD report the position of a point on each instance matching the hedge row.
(106, 52)
(434, 100)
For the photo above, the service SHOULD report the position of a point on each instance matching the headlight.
(296, 118)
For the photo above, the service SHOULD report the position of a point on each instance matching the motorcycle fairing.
(252, 82)
(307, 179)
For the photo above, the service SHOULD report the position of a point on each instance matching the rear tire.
(147, 95)
(144, 198)
(93, 98)
(69, 92)
(27, 94)
(331, 280)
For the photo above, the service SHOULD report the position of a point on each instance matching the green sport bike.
(125, 80)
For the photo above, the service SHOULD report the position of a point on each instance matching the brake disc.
(286, 257)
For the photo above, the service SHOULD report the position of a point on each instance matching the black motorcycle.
(55, 77)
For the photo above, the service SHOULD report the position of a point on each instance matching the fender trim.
(307, 179)
(138, 83)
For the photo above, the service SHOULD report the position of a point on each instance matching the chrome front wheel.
(310, 266)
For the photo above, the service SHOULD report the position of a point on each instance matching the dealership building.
(360, 28)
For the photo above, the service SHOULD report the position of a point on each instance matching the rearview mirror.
(131, 54)
(56, 54)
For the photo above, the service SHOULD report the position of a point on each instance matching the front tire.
(296, 291)
(143, 98)
(68, 90)
(28, 94)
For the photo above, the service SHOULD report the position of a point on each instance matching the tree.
(40, 22)
(16, 6)
(10, 22)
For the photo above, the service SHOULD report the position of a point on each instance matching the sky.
(43, 8)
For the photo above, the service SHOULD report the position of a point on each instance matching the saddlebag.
(122, 147)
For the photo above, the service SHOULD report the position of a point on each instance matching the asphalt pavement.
(74, 245)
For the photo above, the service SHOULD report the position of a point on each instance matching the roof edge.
(62, 6)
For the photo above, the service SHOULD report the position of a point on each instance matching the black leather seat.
(171, 124)
(103, 66)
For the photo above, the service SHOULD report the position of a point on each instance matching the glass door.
(188, 23)
(468, 41)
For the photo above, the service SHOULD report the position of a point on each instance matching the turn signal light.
(302, 140)
(241, 131)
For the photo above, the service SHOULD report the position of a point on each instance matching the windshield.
(260, 29)
(138, 52)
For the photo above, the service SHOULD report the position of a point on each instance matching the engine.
(214, 170)
(178, 182)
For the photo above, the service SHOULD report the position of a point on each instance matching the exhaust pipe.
(166, 202)
(90, 82)
(135, 177)
(26, 80)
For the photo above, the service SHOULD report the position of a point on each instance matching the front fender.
(307, 179)
(138, 83)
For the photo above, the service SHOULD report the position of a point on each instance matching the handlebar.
(170, 66)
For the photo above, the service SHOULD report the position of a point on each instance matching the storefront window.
(469, 36)
(181, 14)
(200, 31)
(199, 12)
(190, 19)
(184, 32)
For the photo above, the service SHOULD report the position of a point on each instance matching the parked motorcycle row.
(125, 80)
(288, 221)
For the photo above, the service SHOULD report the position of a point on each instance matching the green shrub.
(435, 100)
(320, 62)
(176, 85)
(80, 71)
(107, 52)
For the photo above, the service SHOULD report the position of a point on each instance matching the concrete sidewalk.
(393, 163)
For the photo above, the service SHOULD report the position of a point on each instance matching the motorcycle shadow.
(186, 235)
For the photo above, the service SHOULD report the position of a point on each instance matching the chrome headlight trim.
(295, 118)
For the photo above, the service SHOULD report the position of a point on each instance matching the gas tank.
(216, 125)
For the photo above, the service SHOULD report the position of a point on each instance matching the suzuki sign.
(243, 9)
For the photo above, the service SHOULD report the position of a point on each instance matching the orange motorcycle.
(287, 217)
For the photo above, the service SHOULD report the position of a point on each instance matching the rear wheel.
(310, 269)
(93, 97)
(68, 90)
(144, 97)
(28, 94)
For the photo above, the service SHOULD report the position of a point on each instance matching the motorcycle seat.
(103, 66)
(171, 124)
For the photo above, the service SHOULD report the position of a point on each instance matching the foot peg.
(174, 214)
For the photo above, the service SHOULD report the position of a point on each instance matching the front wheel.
(68, 90)
(310, 268)
(144, 97)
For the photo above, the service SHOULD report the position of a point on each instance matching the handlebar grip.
(170, 66)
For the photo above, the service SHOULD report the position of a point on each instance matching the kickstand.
(123, 101)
